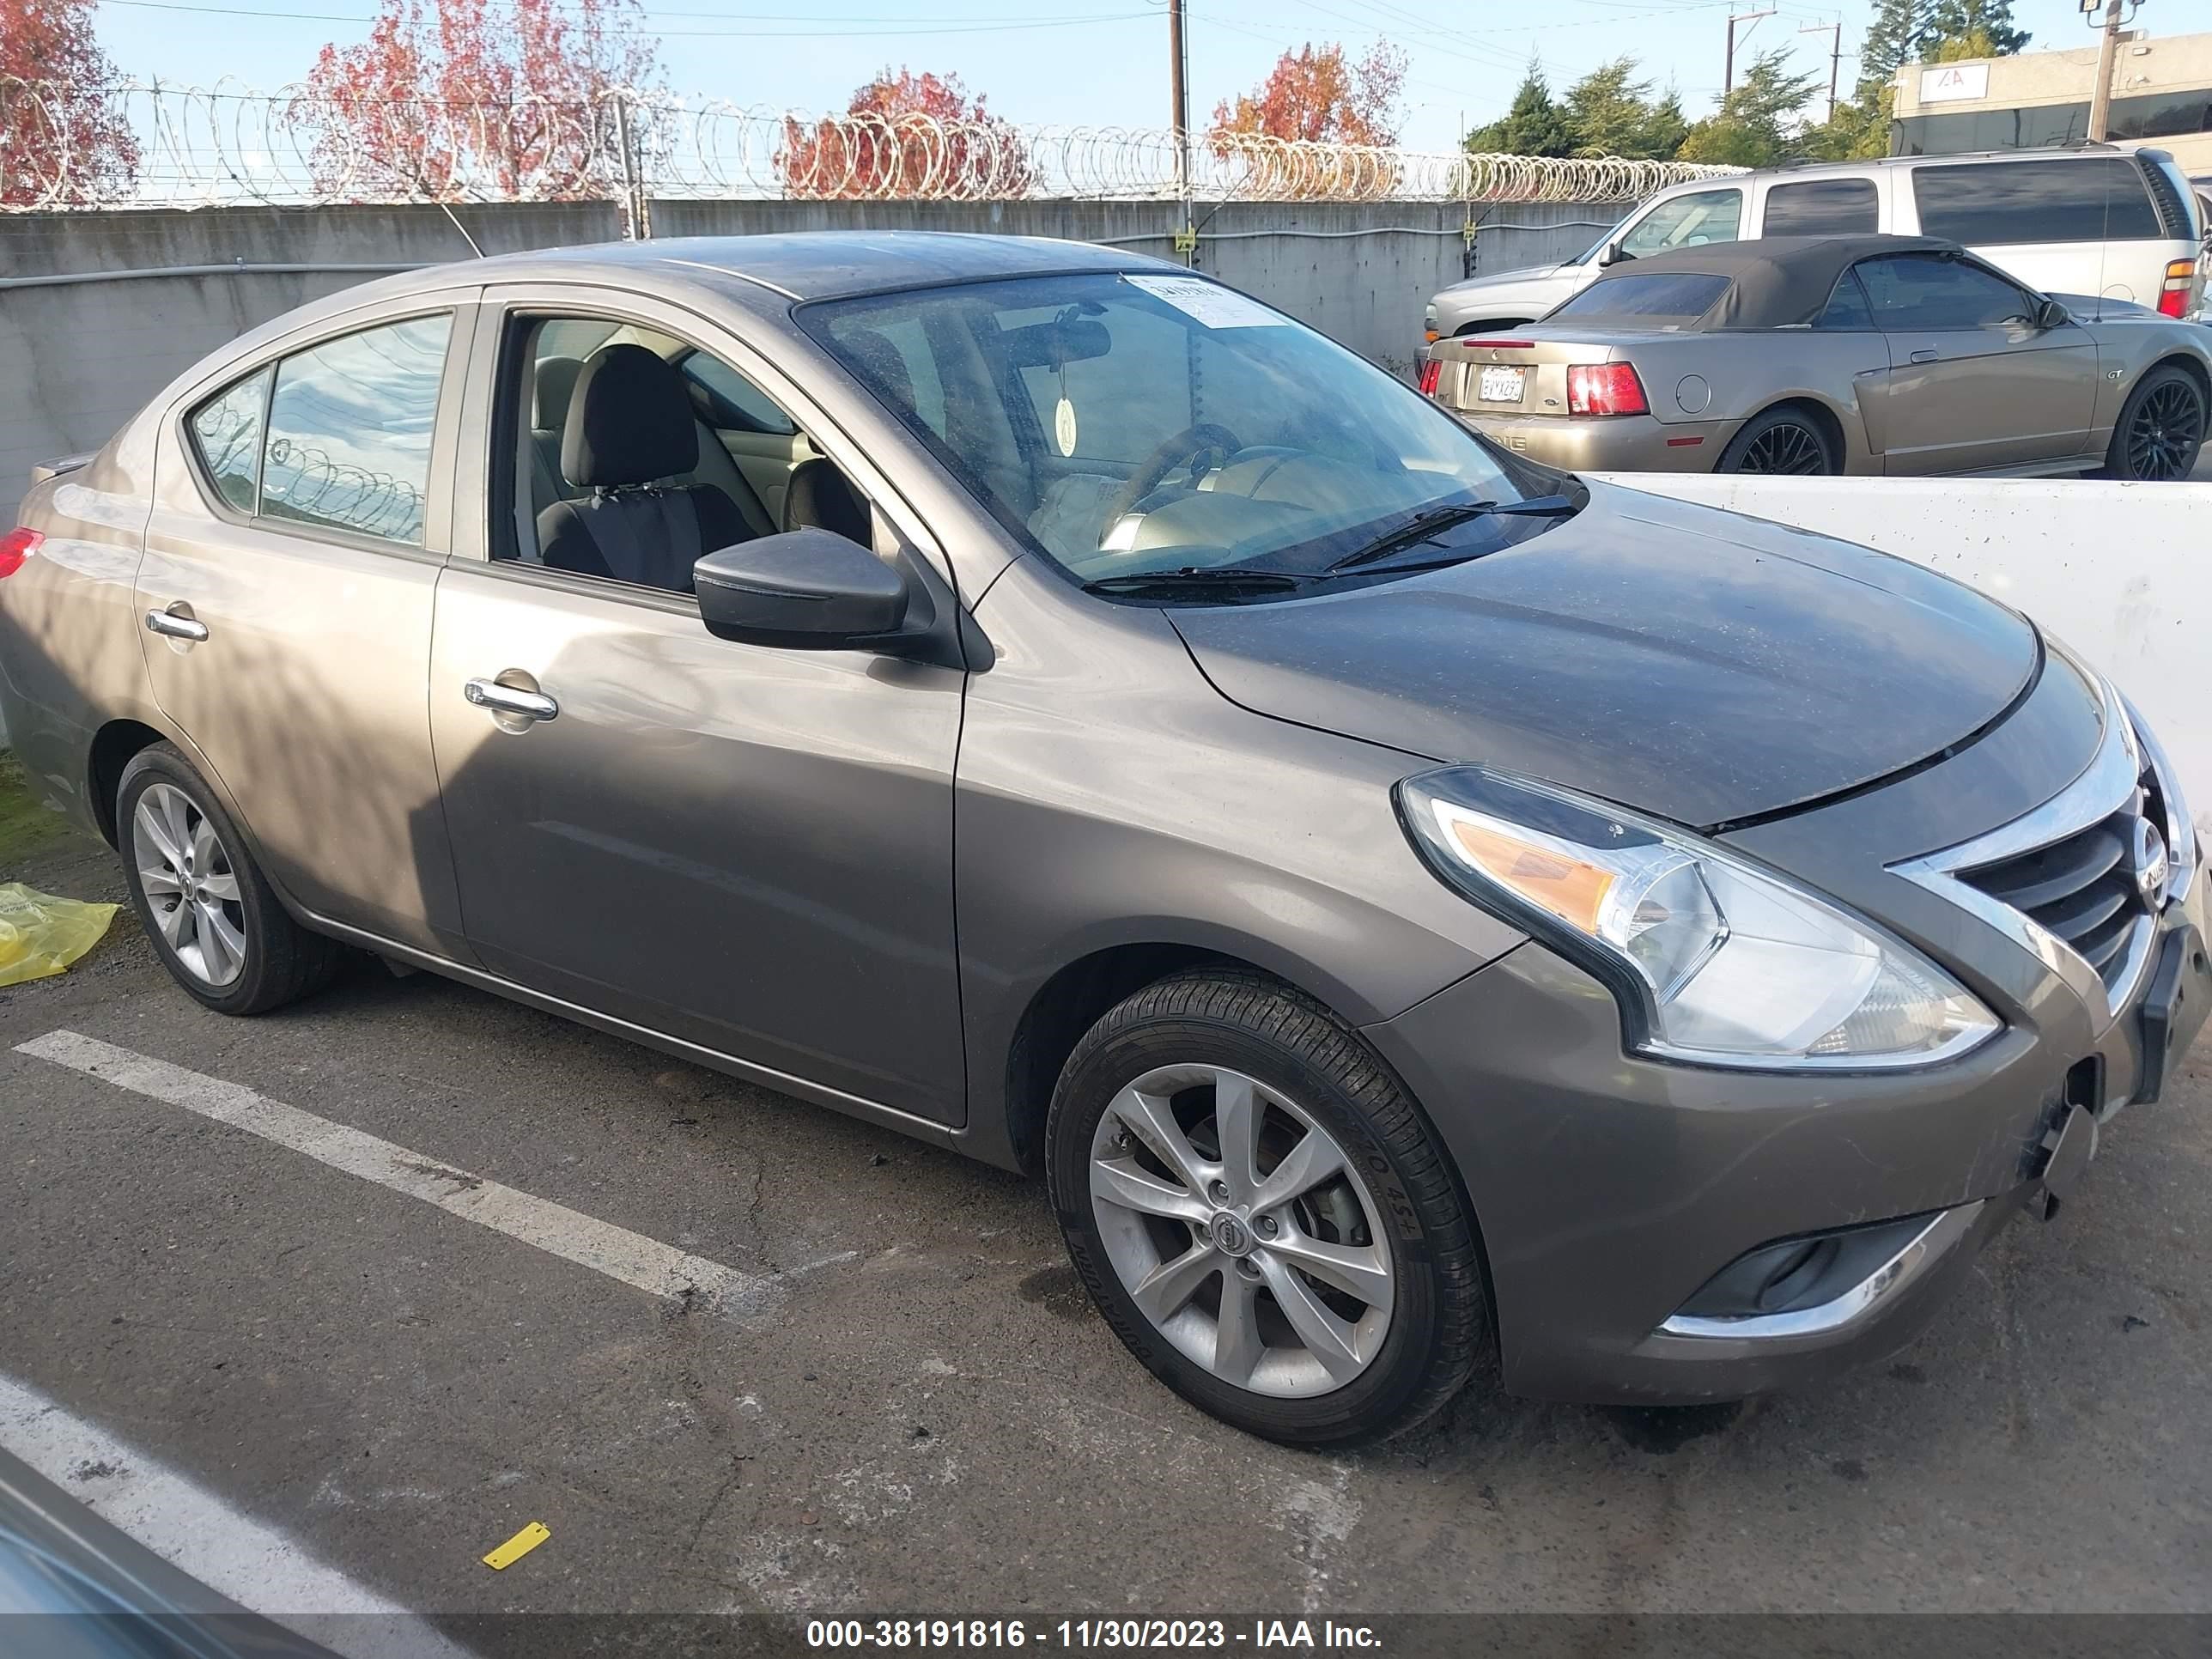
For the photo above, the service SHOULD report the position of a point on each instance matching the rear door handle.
(1926, 355)
(507, 700)
(170, 626)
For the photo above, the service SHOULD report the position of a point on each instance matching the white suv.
(2101, 221)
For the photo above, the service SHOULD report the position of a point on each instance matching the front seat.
(630, 424)
(821, 497)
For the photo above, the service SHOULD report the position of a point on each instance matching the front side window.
(1917, 293)
(1140, 422)
(1823, 207)
(350, 428)
(1692, 221)
(2093, 199)
(1659, 298)
(227, 431)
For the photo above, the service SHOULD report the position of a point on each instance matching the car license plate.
(1501, 385)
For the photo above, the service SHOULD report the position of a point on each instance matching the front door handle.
(171, 626)
(507, 700)
(1926, 355)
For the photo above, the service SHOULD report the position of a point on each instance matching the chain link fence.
(155, 144)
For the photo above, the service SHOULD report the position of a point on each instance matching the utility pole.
(1179, 98)
(1835, 32)
(1728, 81)
(2100, 97)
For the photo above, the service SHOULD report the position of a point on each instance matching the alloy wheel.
(1786, 446)
(1241, 1231)
(2164, 437)
(191, 885)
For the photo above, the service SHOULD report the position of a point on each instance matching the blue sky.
(1100, 61)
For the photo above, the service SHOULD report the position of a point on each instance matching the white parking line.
(554, 1228)
(197, 1532)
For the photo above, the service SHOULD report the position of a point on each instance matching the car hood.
(1504, 279)
(1694, 664)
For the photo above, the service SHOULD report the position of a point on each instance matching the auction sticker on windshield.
(1209, 302)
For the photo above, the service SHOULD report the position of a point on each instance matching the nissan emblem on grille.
(2147, 862)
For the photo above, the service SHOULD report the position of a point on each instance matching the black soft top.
(1775, 281)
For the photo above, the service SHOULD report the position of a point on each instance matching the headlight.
(1716, 960)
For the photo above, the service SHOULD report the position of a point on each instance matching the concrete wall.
(2111, 568)
(77, 358)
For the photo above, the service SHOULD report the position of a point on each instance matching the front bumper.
(1611, 443)
(1610, 1189)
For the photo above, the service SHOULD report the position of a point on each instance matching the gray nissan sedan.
(1422, 914)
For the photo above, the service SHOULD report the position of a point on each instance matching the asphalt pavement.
(885, 1391)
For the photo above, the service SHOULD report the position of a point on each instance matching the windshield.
(1129, 423)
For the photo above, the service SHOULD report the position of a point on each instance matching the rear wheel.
(2160, 430)
(1262, 1214)
(215, 922)
(1785, 440)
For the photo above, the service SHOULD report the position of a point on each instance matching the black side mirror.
(805, 588)
(2049, 314)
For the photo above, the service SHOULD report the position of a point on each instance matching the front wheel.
(1786, 440)
(1262, 1214)
(213, 919)
(2160, 428)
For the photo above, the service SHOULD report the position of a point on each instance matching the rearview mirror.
(805, 588)
(2049, 314)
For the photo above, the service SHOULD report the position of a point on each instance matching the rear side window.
(2095, 198)
(1848, 306)
(350, 428)
(226, 432)
(1822, 207)
(1675, 296)
(1915, 292)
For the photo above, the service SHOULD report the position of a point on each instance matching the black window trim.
(1964, 164)
(460, 306)
(1767, 202)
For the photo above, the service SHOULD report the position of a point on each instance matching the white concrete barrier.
(2121, 572)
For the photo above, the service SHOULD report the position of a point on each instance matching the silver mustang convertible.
(1426, 917)
(1893, 354)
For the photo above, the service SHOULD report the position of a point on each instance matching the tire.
(227, 941)
(2161, 430)
(1783, 439)
(1398, 1352)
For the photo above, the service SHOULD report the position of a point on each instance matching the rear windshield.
(1653, 297)
(2090, 199)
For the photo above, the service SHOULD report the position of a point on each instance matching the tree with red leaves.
(63, 139)
(1321, 96)
(907, 135)
(512, 96)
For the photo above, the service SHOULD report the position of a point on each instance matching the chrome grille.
(2081, 890)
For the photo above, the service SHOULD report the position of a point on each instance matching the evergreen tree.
(1756, 125)
(1535, 126)
(1892, 39)
(1958, 20)
(1609, 113)
(1665, 127)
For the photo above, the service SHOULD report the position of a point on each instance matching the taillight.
(2173, 294)
(1431, 371)
(1604, 389)
(17, 545)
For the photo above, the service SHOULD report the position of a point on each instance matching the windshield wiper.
(1216, 579)
(1424, 525)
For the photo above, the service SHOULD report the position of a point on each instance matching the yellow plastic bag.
(40, 935)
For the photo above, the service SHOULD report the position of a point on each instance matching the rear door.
(1973, 382)
(2080, 225)
(299, 526)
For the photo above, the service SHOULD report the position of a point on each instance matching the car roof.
(1775, 281)
(819, 265)
(1794, 170)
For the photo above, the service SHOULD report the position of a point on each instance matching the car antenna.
(446, 208)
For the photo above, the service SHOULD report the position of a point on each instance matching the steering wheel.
(1186, 446)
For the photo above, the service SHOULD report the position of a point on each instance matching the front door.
(747, 848)
(1973, 382)
(291, 560)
